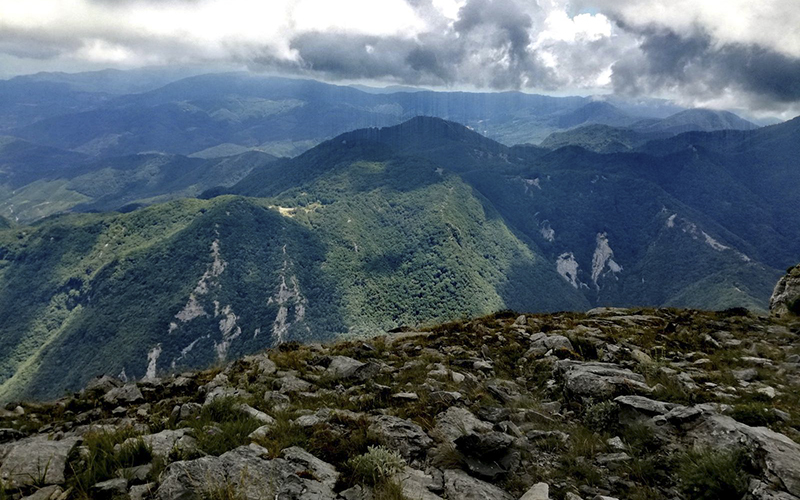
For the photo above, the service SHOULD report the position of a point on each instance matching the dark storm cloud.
(488, 46)
(694, 53)
(693, 64)
(512, 24)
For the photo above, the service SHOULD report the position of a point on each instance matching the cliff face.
(614, 403)
(785, 300)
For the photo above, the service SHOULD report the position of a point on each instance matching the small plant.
(710, 475)
(377, 465)
(641, 439)
(755, 414)
(585, 348)
(223, 491)
(222, 426)
(103, 458)
(284, 434)
(39, 480)
(602, 417)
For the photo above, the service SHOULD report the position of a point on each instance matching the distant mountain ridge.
(608, 138)
(114, 113)
(387, 226)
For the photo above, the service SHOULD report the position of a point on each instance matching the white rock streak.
(567, 267)
(152, 360)
(285, 296)
(548, 233)
(229, 330)
(193, 309)
(603, 258)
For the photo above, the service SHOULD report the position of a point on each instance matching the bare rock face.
(785, 300)
(249, 473)
(36, 460)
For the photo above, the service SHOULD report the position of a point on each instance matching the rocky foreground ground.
(627, 404)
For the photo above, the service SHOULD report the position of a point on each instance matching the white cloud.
(700, 51)
(772, 24)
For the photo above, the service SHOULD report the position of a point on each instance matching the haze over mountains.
(325, 210)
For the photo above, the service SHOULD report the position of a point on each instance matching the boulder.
(399, 434)
(488, 455)
(544, 343)
(263, 364)
(125, 395)
(539, 491)
(456, 421)
(785, 300)
(322, 471)
(113, 489)
(161, 444)
(632, 407)
(260, 433)
(256, 414)
(487, 444)
(780, 456)
(36, 460)
(290, 383)
(345, 368)
(418, 485)
(458, 484)
(599, 380)
(142, 491)
(103, 384)
(189, 410)
(247, 472)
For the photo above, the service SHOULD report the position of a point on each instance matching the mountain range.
(177, 226)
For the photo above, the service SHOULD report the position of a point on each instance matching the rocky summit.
(612, 403)
(785, 300)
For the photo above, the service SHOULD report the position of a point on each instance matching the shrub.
(585, 348)
(103, 458)
(602, 417)
(221, 426)
(284, 434)
(223, 491)
(377, 465)
(710, 475)
(754, 414)
(641, 439)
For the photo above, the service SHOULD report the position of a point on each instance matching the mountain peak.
(424, 134)
(700, 119)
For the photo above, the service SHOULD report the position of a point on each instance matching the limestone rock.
(600, 380)
(456, 422)
(418, 485)
(458, 484)
(162, 443)
(785, 300)
(290, 383)
(37, 460)
(781, 455)
(113, 489)
(539, 491)
(127, 394)
(402, 435)
(247, 471)
(103, 384)
(343, 367)
(322, 471)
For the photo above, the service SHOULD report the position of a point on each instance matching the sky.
(732, 54)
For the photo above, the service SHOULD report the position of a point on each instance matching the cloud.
(742, 53)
